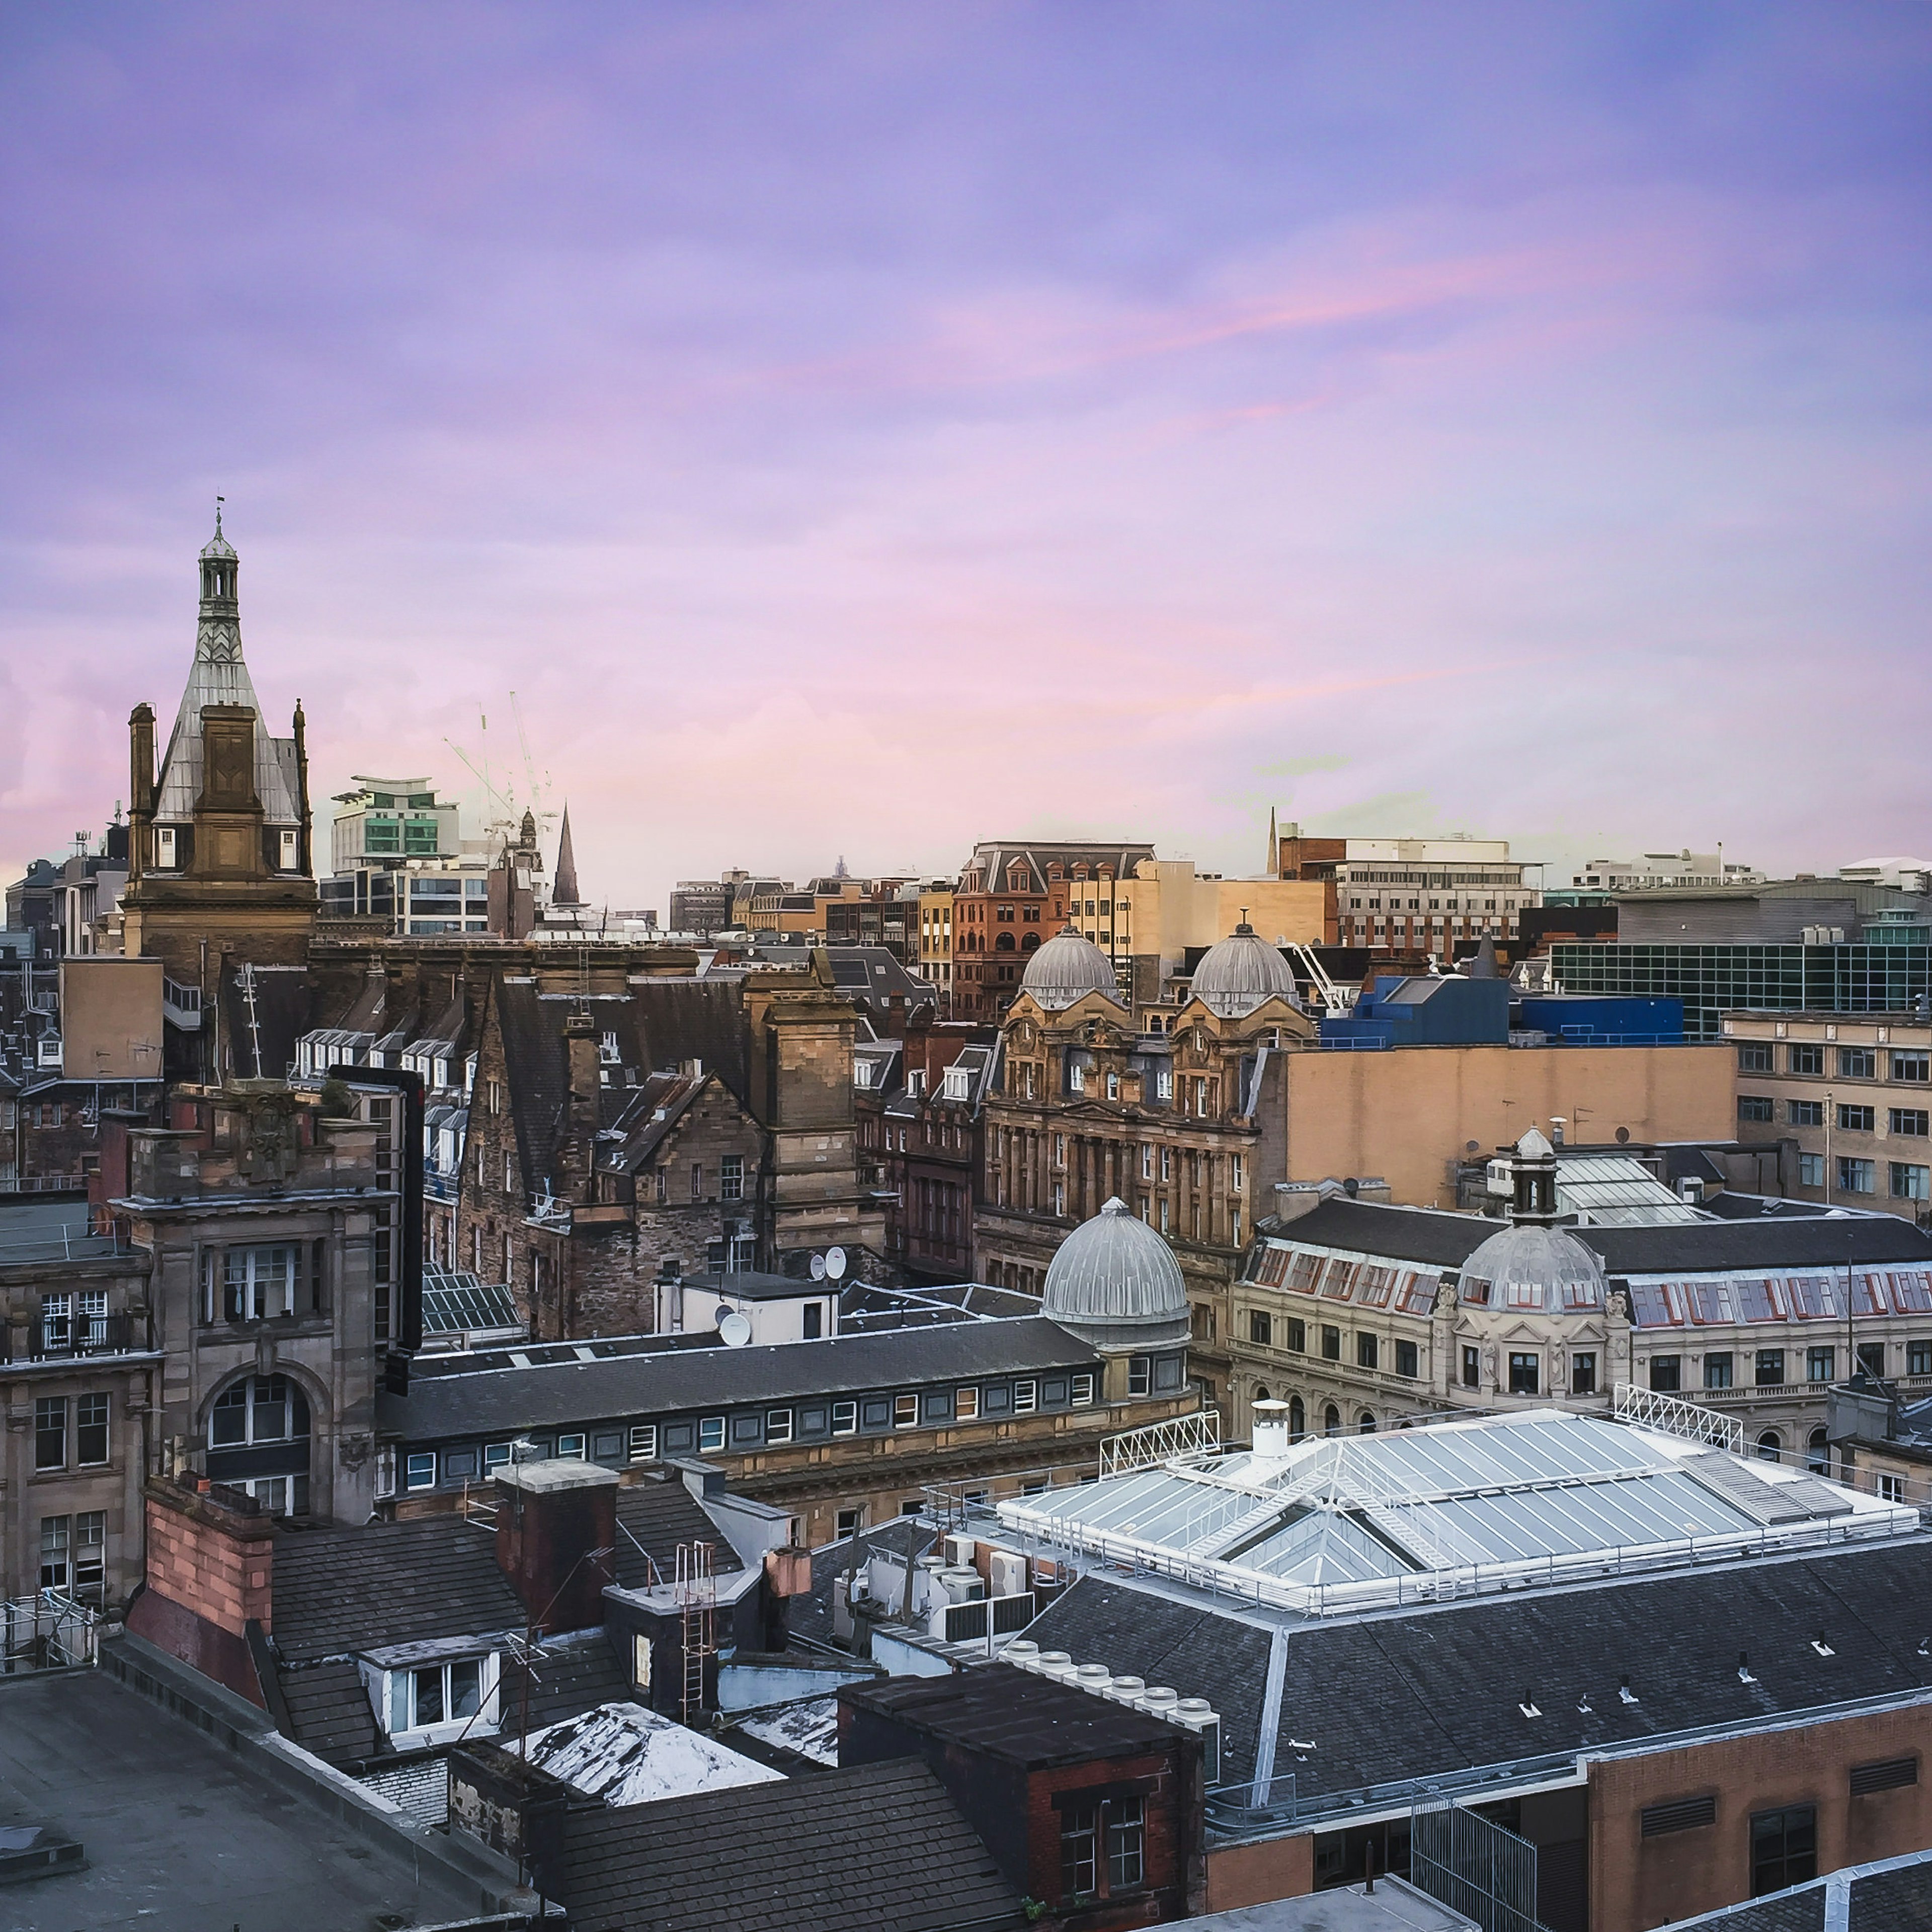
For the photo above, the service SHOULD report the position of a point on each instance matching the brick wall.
(1636, 1881)
(210, 1572)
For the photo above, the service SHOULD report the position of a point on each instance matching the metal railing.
(73, 1336)
(1473, 1867)
(1198, 1434)
(1253, 1804)
(47, 1631)
(72, 1241)
(1671, 1414)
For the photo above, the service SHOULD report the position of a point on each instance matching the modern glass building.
(1864, 978)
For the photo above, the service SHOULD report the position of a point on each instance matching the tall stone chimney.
(556, 1539)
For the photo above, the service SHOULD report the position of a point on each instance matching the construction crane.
(1336, 1001)
(504, 797)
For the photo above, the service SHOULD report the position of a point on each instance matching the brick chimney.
(557, 1537)
(210, 1588)
(586, 1074)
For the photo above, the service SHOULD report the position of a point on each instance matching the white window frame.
(258, 1296)
(966, 1405)
(1026, 1397)
(571, 1449)
(845, 1418)
(778, 1426)
(900, 1420)
(643, 1442)
(708, 1426)
(399, 1703)
(1080, 1390)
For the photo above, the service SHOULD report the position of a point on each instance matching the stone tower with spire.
(219, 860)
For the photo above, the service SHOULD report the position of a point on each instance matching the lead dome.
(1114, 1282)
(1240, 973)
(1532, 1263)
(1066, 969)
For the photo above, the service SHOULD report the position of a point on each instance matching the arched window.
(1004, 944)
(1298, 1419)
(1367, 1425)
(258, 1408)
(1030, 943)
(1770, 1447)
(1331, 1421)
(1818, 1453)
(1260, 1392)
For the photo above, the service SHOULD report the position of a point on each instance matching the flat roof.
(180, 1834)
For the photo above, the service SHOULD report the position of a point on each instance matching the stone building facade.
(1177, 1124)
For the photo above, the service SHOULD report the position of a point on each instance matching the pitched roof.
(1014, 1715)
(653, 1517)
(453, 1404)
(1451, 1680)
(345, 1590)
(1815, 1240)
(329, 1712)
(881, 1846)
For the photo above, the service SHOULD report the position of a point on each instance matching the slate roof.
(881, 1846)
(281, 1017)
(659, 1515)
(904, 1536)
(1815, 1240)
(571, 1675)
(1449, 1682)
(1198, 1652)
(345, 1590)
(454, 1405)
(1014, 1715)
(329, 1712)
(1888, 1895)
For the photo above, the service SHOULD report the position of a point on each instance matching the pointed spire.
(564, 892)
(1274, 848)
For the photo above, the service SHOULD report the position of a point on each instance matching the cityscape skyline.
(1262, 418)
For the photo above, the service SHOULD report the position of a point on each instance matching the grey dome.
(1066, 969)
(1115, 1282)
(1531, 1268)
(1240, 973)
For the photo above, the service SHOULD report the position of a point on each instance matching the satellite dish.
(818, 1267)
(1623, 1137)
(1472, 1146)
(721, 1314)
(734, 1331)
(834, 1263)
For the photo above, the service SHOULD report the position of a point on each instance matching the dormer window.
(433, 1703)
(164, 848)
(291, 851)
(956, 1086)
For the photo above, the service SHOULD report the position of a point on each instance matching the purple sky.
(865, 429)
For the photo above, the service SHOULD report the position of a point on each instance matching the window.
(1026, 1398)
(778, 1425)
(1871, 1358)
(1770, 1447)
(1917, 1360)
(1914, 1067)
(1804, 1113)
(75, 1321)
(1297, 1335)
(570, 1448)
(164, 849)
(1770, 1368)
(441, 1693)
(851, 1521)
(1406, 1359)
(50, 1433)
(1146, 1162)
(1855, 1119)
(1890, 1489)
(1810, 1170)
(1910, 1181)
(1126, 1833)
(845, 1418)
(1331, 1344)
(1819, 1364)
(1331, 1421)
(90, 1430)
(1857, 1062)
(1261, 1327)
(1754, 1057)
(1235, 1172)
(1367, 1351)
(1805, 1059)
(697, 1180)
(1856, 1176)
(813, 1326)
(257, 1284)
(1756, 1107)
(1523, 1373)
(1082, 1391)
(710, 1434)
(643, 1443)
(495, 1455)
(731, 1177)
(1783, 1848)
(1913, 1122)
(1140, 1375)
(419, 1469)
(1167, 1163)
(56, 1539)
(1079, 1867)
(1472, 1369)
(1717, 1371)
(258, 1408)
(1818, 1453)
(1583, 1373)
(905, 1412)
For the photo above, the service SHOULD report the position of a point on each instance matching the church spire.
(218, 636)
(564, 891)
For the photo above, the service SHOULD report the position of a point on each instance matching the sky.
(861, 430)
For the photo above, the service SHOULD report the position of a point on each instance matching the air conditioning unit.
(963, 1586)
(961, 1551)
(1010, 1572)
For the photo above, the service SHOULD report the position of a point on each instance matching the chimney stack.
(557, 1537)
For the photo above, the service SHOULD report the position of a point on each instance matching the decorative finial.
(218, 502)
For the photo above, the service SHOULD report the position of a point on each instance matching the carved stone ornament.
(269, 1157)
(352, 1451)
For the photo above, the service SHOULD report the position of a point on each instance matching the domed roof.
(1532, 1267)
(1066, 969)
(1240, 973)
(217, 545)
(1115, 1282)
